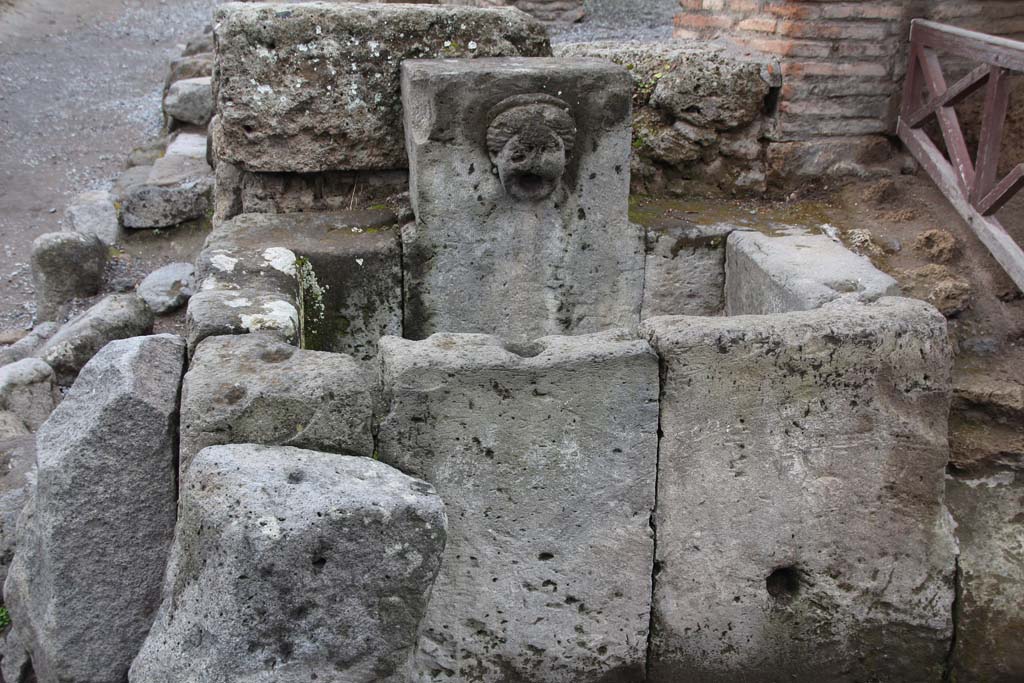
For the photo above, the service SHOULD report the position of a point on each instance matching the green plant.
(311, 295)
(5, 618)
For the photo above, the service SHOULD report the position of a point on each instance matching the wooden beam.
(1002, 192)
(956, 94)
(956, 146)
(991, 233)
(997, 99)
(979, 47)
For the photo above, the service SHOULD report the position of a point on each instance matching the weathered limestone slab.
(349, 269)
(315, 86)
(800, 521)
(255, 388)
(65, 266)
(93, 213)
(294, 565)
(167, 288)
(29, 390)
(94, 539)
(178, 188)
(519, 176)
(796, 273)
(987, 508)
(118, 316)
(685, 269)
(545, 454)
(213, 312)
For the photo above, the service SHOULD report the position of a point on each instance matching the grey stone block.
(987, 508)
(315, 86)
(545, 454)
(168, 288)
(28, 344)
(685, 269)
(117, 316)
(767, 274)
(255, 388)
(178, 188)
(94, 538)
(213, 312)
(94, 213)
(519, 176)
(65, 266)
(349, 270)
(29, 390)
(17, 464)
(801, 529)
(294, 565)
(190, 100)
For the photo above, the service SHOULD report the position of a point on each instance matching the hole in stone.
(544, 557)
(319, 562)
(296, 477)
(523, 349)
(531, 184)
(783, 583)
(771, 101)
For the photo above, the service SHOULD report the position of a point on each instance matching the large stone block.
(255, 388)
(28, 389)
(118, 316)
(766, 274)
(213, 312)
(545, 454)
(685, 269)
(801, 529)
(94, 539)
(348, 268)
(519, 176)
(65, 266)
(315, 86)
(177, 189)
(988, 508)
(291, 565)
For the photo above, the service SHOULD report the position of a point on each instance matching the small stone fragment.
(26, 346)
(255, 388)
(294, 565)
(168, 288)
(190, 100)
(28, 389)
(94, 538)
(117, 316)
(94, 213)
(939, 286)
(178, 188)
(65, 266)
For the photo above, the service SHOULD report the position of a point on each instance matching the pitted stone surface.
(255, 388)
(315, 86)
(93, 213)
(118, 316)
(685, 271)
(350, 271)
(177, 189)
(190, 100)
(94, 538)
(796, 273)
(519, 176)
(988, 507)
(545, 454)
(292, 566)
(801, 526)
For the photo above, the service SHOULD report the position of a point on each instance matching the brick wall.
(842, 65)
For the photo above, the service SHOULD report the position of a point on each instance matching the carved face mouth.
(531, 167)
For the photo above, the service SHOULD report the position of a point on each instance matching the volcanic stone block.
(178, 188)
(118, 316)
(988, 508)
(167, 288)
(315, 86)
(519, 176)
(796, 273)
(685, 269)
(255, 388)
(94, 539)
(545, 454)
(28, 389)
(349, 271)
(65, 266)
(94, 213)
(291, 565)
(190, 100)
(213, 312)
(800, 520)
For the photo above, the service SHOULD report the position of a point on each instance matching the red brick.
(745, 6)
(793, 10)
(811, 68)
(787, 47)
(757, 24)
(862, 10)
(833, 30)
(691, 4)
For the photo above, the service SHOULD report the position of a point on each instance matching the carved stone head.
(530, 139)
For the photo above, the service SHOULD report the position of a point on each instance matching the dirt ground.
(80, 87)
